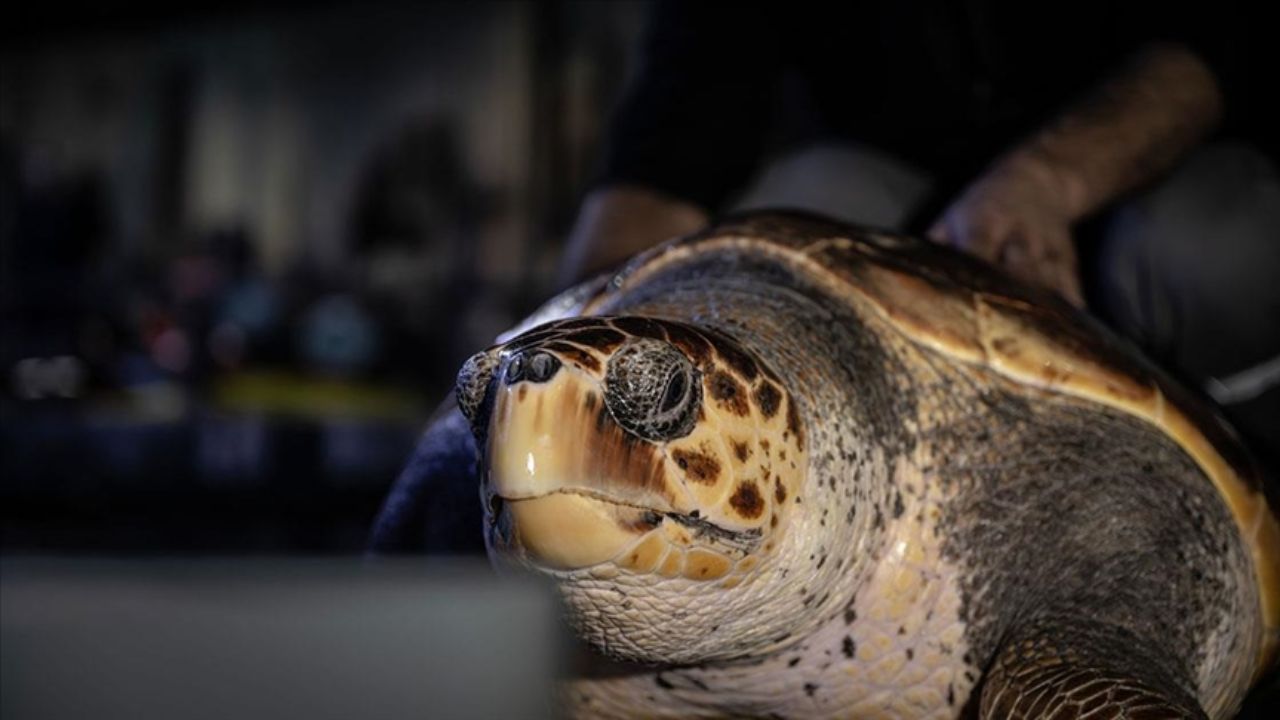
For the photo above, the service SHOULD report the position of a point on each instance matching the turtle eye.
(651, 390)
(674, 394)
(532, 366)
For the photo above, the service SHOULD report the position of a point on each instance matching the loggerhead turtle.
(792, 468)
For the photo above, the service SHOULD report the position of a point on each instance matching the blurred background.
(244, 248)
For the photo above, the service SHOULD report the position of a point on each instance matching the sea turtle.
(794, 468)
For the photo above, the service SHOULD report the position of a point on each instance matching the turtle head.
(639, 453)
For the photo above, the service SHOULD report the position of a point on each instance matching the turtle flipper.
(1055, 668)
(434, 506)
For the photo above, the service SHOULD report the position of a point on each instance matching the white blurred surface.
(279, 639)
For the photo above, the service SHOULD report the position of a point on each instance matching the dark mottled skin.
(1083, 524)
(1140, 539)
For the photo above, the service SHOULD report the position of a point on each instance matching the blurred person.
(1114, 153)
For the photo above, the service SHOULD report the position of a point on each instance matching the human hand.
(1017, 216)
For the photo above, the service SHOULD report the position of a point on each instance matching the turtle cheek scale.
(743, 470)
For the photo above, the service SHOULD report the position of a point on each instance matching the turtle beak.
(565, 487)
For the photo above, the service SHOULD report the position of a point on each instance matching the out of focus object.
(114, 639)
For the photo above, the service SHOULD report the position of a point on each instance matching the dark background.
(244, 249)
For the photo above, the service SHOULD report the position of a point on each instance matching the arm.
(1126, 133)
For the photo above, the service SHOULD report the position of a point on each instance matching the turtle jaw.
(565, 489)
(567, 531)
(564, 531)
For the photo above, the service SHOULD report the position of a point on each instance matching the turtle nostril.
(534, 367)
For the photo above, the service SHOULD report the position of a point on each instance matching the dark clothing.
(944, 84)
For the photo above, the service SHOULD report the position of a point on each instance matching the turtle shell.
(962, 308)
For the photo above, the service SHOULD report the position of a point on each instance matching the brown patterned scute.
(640, 327)
(728, 393)
(600, 338)
(573, 354)
(746, 500)
(691, 342)
(537, 335)
(794, 426)
(768, 398)
(698, 467)
(732, 354)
